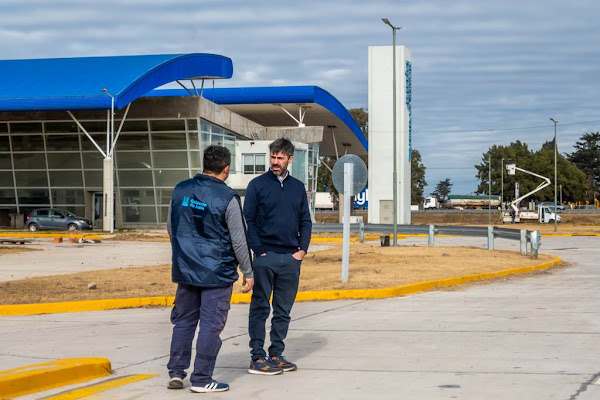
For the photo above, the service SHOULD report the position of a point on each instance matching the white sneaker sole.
(196, 389)
(256, 372)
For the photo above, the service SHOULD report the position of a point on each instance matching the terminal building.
(101, 136)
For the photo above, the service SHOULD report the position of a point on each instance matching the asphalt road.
(535, 337)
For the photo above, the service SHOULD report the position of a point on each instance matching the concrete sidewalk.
(525, 338)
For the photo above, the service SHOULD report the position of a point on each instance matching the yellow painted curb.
(51, 374)
(243, 298)
(99, 387)
(50, 235)
(85, 305)
(570, 234)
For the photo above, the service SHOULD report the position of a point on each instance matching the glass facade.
(53, 164)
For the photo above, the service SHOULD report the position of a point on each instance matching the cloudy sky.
(484, 71)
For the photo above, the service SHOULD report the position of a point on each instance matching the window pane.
(92, 160)
(42, 213)
(136, 159)
(135, 178)
(168, 141)
(7, 196)
(170, 159)
(33, 196)
(28, 143)
(3, 128)
(66, 178)
(130, 141)
(163, 213)
(31, 179)
(194, 140)
(137, 196)
(205, 141)
(167, 125)
(94, 126)
(64, 161)
(29, 161)
(4, 144)
(299, 165)
(135, 126)
(164, 196)
(86, 143)
(62, 142)
(61, 127)
(6, 178)
(78, 211)
(5, 162)
(260, 163)
(25, 127)
(67, 196)
(192, 124)
(93, 178)
(169, 178)
(196, 160)
(142, 214)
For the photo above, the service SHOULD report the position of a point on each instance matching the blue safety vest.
(202, 250)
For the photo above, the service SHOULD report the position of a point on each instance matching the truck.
(466, 201)
(430, 203)
(544, 214)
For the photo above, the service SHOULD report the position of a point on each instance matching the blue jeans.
(210, 307)
(277, 274)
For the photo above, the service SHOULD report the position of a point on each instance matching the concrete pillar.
(381, 113)
(108, 195)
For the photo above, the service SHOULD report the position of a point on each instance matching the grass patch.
(370, 267)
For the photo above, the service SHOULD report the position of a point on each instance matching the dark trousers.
(276, 274)
(210, 307)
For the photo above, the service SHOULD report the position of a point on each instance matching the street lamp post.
(502, 184)
(395, 172)
(555, 121)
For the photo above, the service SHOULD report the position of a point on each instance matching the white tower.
(381, 133)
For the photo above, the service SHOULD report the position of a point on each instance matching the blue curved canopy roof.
(78, 83)
(278, 95)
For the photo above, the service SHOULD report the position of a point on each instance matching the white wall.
(380, 133)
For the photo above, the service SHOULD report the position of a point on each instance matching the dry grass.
(14, 250)
(371, 267)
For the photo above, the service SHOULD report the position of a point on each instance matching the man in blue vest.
(208, 240)
(279, 229)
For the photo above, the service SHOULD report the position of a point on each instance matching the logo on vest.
(195, 204)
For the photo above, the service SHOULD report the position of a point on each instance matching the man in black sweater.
(279, 228)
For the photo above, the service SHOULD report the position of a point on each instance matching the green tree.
(362, 119)
(572, 179)
(442, 189)
(587, 158)
(418, 181)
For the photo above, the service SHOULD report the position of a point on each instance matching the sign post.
(349, 178)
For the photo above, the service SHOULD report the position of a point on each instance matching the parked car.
(51, 218)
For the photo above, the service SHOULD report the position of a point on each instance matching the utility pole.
(555, 121)
(490, 189)
(395, 172)
(502, 184)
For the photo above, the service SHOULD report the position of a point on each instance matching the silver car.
(51, 218)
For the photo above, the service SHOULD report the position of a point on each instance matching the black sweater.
(277, 214)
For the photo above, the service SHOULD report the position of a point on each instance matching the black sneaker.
(175, 383)
(281, 362)
(262, 366)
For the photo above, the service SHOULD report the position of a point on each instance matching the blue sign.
(408, 85)
(361, 200)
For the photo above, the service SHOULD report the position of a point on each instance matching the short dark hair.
(282, 145)
(216, 158)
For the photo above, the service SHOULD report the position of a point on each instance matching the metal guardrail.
(530, 241)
